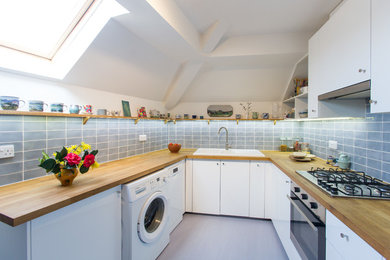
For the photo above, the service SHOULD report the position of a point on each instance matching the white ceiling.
(201, 51)
(254, 17)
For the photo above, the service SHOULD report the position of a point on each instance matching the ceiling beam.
(213, 35)
(184, 76)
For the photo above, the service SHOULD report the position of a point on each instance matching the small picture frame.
(126, 108)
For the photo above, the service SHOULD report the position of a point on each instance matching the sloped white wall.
(29, 88)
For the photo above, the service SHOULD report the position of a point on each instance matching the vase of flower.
(66, 176)
(66, 164)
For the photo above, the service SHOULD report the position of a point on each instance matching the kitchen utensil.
(36, 105)
(87, 109)
(57, 107)
(304, 159)
(10, 103)
(344, 161)
(102, 112)
(75, 109)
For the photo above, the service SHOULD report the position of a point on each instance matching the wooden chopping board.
(306, 159)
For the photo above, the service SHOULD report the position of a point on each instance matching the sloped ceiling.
(201, 51)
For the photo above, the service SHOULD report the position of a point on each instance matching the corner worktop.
(25, 201)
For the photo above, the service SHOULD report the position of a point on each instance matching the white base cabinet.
(88, 229)
(235, 188)
(346, 243)
(257, 188)
(206, 181)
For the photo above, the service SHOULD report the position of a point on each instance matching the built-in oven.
(307, 227)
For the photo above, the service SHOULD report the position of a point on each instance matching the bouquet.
(75, 156)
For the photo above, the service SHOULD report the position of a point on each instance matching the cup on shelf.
(75, 109)
(37, 106)
(57, 107)
(10, 102)
(102, 112)
(87, 109)
(255, 115)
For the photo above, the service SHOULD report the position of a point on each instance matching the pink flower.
(72, 159)
(89, 160)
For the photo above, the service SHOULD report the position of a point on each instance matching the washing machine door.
(153, 217)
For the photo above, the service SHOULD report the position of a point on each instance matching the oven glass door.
(307, 231)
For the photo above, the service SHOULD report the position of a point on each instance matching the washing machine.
(145, 217)
(176, 193)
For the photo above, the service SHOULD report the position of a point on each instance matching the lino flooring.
(205, 237)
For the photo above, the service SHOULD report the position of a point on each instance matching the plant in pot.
(67, 163)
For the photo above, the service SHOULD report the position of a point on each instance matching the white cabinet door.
(206, 178)
(281, 218)
(235, 188)
(347, 242)
(188, 188)
(332, 253)
(256, 197)
(269, 191)
(380, 55)
(88, 229)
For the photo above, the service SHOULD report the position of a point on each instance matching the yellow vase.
(66, 176)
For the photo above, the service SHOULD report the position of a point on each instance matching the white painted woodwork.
(188, 191)
(257, 189)
(13, 241)
(88, 229)
(213, 35)
(332, 253)
(339, 53)
(206, 186)
(281, 218)
(269, 191)
(235, 188)
(184, 76)
(380, 55)
(346, 242)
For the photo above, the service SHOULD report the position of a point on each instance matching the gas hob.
(347, 183)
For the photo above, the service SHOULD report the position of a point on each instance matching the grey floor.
(204, 237)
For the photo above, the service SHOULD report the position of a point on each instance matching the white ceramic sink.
(230, 152)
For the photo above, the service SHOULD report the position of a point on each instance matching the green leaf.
(83, 169)
(45, 156)
(94, 152)
(56, 169)
(48, 164)
(85, 154)
(60, 156)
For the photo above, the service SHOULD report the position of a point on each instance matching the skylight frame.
(86, 7)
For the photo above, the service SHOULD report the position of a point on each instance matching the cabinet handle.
(258, 165)
(342, 235)
(287, 181)
(217, 163)
(223, 163)
(313, 110)
(372, 101)
(362, 71)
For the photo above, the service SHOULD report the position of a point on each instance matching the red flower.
(89, 160)
(72, 159)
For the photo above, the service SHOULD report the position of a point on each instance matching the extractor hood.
(357, 91)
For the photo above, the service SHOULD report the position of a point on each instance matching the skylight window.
(39, 27)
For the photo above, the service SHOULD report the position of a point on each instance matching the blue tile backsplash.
(367, 141)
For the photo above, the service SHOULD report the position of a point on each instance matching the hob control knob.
(304, 196)
(297, 189)
(313, 205)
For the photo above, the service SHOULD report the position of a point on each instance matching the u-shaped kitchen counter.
(27, 200)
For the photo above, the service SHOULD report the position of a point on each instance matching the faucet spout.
(227, 146)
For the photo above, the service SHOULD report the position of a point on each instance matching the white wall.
(29, 88)
(198, 108)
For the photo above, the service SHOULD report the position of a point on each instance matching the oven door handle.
(303, 214)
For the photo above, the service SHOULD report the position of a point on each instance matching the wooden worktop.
(24, 201)
(27, 200)
(369, 218)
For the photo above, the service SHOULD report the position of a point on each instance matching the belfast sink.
(230, 152)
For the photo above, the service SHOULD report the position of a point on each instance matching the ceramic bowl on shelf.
(174, 148)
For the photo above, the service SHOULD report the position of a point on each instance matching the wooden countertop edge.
(377, 245)
(224, 157)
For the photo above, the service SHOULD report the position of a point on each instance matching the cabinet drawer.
(345, 241)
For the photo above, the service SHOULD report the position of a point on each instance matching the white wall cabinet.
(88, 229)
(257, 188)
(235, 188)
(206, 180)
(346, 242)
(380, 55)
(339, 53)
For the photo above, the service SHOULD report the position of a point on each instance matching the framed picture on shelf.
(126, 108)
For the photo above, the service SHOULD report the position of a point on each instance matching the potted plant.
(69, 161)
